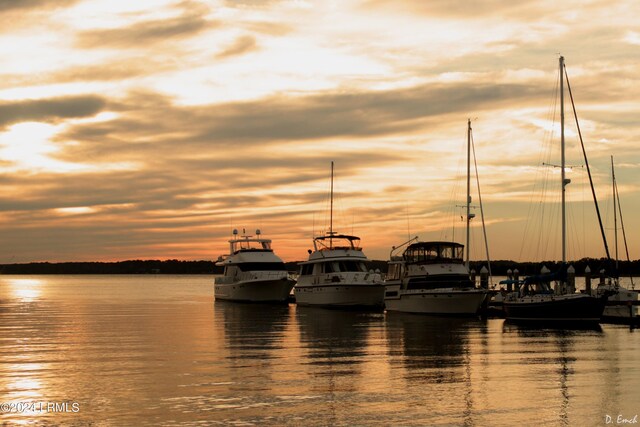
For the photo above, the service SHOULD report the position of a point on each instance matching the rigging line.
(536, 209)
(624, 235)
(484, 230)
(586, 161)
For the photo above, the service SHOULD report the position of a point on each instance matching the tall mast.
(562, 163)
(615, 214)
(468, 189)
(331, 212)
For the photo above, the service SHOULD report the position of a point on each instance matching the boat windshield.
(251, 245)
(338, 241)
(432, 252)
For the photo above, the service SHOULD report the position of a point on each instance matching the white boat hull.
(274, 290)
(342, 295)
(447, 301)
(619, 295)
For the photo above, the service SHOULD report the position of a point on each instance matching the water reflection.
(333, 337)
(252, 330)
(553, 362)
(432, 347)
(160, 351)
(337, 345)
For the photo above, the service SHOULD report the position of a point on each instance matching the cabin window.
(262, 266)
(353, 266)
(306, 269)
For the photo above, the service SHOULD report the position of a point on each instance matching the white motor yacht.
(252, 272)
(431, 278)
(336, 275)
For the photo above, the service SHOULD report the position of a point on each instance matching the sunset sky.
(151, 129)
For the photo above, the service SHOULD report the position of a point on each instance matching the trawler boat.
(335, 275)
(431, 278)
(252, 272)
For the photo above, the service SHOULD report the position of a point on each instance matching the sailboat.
(535, 301)
(617, 293)
(336, 275)
(432, 277)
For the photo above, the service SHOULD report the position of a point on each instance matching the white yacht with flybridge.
(336, 275)
(252, 272)
(431, 278)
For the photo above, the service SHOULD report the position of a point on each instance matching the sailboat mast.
(468, 190)
(562, 163)
(615, 214)
(331, 212)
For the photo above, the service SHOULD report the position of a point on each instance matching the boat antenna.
(586, 161)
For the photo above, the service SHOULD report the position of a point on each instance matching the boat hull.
(274, 290)
(622, 298)
(434, 301)
(353, 295)
(574, 308)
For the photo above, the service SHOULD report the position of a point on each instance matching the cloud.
(141, 34)
(279, 118)
(240, 46)
(10, 5)
(526, 9)
(49, 110)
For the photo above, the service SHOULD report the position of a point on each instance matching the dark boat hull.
(577, 308)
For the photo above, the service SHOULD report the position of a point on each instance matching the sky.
(151, 129)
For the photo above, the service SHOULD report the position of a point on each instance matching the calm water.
(157, 350)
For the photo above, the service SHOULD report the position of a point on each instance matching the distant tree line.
(173, 266)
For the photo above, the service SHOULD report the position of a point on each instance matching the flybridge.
(336, 241)
(248, 243)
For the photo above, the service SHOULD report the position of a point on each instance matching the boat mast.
(615, 215)
(468, 189)
(331, 212)
(624, 235)
(562, 163)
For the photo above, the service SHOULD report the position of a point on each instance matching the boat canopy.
(434, 252)
(337, 241)
(560, 275)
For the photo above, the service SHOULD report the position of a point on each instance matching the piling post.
(587, 280)
(571, 280)
(484, 277)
